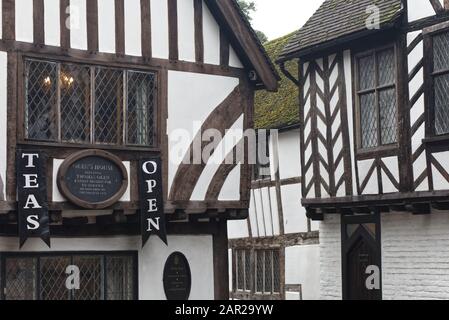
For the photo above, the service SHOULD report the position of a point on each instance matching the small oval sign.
(93, 179)
(177, 277)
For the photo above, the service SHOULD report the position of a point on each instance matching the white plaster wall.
(418, 9)
(372, 187)
(151, 261)
(159, 28)
(415, 256)
(238, 229)
(191, 99)
(106, 26)
(302, 266)
(78, 24)
(3, 118)
(289, 154)
(24, 20)
(253, 219)
(58, 197)
(133, 32)
(330, 258)
(295, 219)
(234, 60)
(231, 187)
(52, 23)
(211, 32)
(186, 30)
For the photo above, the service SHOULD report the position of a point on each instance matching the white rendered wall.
(78, 24)
(302, 267)
(159, 28)
(191, 99)
(151, 261)
(211, 32)
(106, 26)
(24, 20)
(52, 23)
(133, 32)
(415, 256)
(295, 219)
(418, 9)
(3, 118)
(289, 154)
(330, 258)
(186, 30)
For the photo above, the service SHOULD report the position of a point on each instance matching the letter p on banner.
(152, 215)
(32, 196)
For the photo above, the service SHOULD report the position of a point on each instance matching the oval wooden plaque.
(177, 277)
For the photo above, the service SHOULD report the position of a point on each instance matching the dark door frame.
(346, 245)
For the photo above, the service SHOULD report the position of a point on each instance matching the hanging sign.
(151, 200)
(32, 196)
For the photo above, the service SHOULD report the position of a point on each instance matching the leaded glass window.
(109, 276)
(76, 103)
(376, 91)
(441, 82)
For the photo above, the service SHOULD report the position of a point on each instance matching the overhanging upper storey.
(373, 107)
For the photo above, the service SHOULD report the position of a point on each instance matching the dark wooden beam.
(92, 25)
(64, 18)
(199, 36)
(38, 22)
(145, 9)
(8, 20)
(224, 49)
(119, 27)
(173, 29)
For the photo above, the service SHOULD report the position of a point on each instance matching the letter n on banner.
(32, 196)
(151, 200)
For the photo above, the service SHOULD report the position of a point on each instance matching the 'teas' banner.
(32, 196)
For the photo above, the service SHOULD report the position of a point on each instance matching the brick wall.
(415, 256)
(330, 258)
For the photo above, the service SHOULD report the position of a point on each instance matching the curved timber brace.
(288, 74)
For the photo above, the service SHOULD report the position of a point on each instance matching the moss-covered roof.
(280, 109)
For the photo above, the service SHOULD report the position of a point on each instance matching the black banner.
(32, 196)
(151, 200)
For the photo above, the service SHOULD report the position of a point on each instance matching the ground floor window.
(101, 276)
(257, 272)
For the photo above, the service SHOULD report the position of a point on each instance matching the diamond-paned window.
(377, 98)
(41, 85)
(85, 104)
(46, 277)
(141, 108)
(75, 86)
(441, 82)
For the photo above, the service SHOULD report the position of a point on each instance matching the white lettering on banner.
(155, 223)
(33, 222)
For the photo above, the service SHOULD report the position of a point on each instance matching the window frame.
(380, 148)
(252, 293)
(39, 255)
(429, 83)
(122, 66)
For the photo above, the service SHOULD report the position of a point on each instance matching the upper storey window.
(376, 98)
(74, 103)
(440, 78)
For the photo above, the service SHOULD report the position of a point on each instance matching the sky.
(277, 18)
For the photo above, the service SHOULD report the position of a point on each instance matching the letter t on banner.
(152, 215)
(32, 196)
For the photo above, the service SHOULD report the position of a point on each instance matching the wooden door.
(361, 258)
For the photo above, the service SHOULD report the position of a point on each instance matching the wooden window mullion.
(58, 103)
(92, 104)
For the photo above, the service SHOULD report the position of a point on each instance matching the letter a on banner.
(152, 214)
(32, 196)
